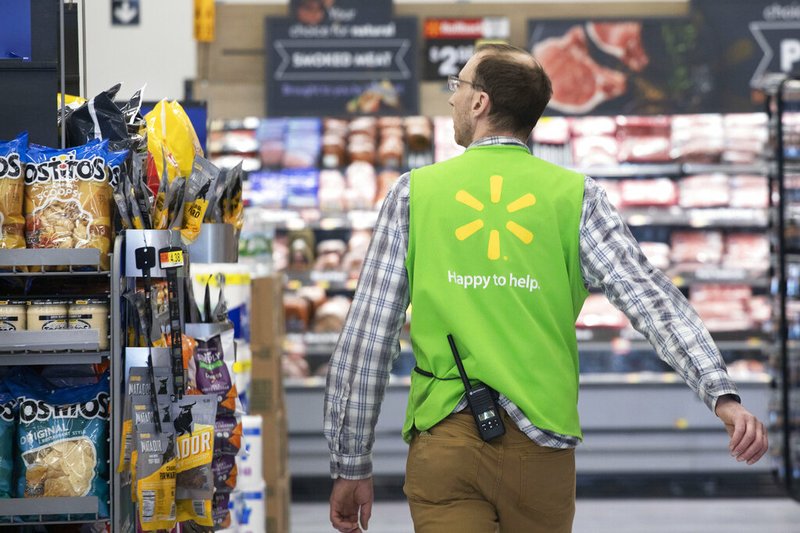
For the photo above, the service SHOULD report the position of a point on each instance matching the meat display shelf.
(631, 170)
(594, 379)
(331, 280)
(721, 276)
(726, 168)
(716, 217)
(52, 510)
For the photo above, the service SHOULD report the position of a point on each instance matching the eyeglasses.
(454, 81)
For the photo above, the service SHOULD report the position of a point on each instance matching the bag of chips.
(155, 478)
(63, 442)
(7, 425)
(68, 198)
(193, 417)
(12, 189)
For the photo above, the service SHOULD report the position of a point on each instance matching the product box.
(266, 314)
(275, 439)
(279, 495)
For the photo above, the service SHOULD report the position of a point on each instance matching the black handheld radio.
(481, 402)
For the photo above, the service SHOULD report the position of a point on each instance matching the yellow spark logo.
(495, 193)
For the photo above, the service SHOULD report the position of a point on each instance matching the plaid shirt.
(611, 260)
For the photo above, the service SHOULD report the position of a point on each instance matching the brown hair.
(518, 87)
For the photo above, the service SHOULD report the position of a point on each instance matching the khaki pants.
(455, 482)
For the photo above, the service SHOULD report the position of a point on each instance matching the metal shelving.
(50, 348)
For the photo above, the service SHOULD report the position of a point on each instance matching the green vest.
(493, 260)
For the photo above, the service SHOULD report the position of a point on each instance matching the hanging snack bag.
(201, 182)
(225, 473)
(7, 425)
(63, 442)
(170, 132)
(68, 198)
(232, 205)
(139, 386)
(212, 370)
(115, 164)
(193, 418)
(228, 435)
(155, 478)
(12, 189)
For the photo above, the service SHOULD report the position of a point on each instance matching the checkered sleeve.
(612, 260)
(369, 342)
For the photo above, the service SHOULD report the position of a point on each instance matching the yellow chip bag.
(155, 478)
(170, 135)
(12, 188)
(68, 198)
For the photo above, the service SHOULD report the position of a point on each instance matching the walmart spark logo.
(495, 191)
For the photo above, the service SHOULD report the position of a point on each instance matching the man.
(497, 247)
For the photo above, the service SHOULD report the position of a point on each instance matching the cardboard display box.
(279, 495)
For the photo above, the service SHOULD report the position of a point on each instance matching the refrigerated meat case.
(639, 418)
(783, 107)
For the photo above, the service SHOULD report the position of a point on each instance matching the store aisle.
(607, 516)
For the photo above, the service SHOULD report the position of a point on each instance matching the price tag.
(170, 258)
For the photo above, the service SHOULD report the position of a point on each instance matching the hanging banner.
(706, 62)
(449, 43)
(314, 12)
(341, 69)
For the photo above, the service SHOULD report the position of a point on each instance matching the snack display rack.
(60, 347)
(783, 105)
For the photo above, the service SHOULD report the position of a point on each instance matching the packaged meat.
(705, 190)
(749, 192)
(656, 192)
(644, 126)
(612, 189)
(595, 151)
(331, 191)
(746, 250)
(551, 130)
(361, 185)
(598, 312)
(722, 307)
(591, 126)
(696, 247)
(657, 253)
(645, 149)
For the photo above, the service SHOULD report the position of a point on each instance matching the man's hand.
(348, 497)
(748, 435)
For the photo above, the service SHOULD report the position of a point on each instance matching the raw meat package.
(692, 249)
(705, 190)
(722, 307)
(657, 253)
(595, 151)
(591, 126)
(598, 312)
(644, 149)
(613, 191)
(746, 250)
(551, 130)
(698, 138)
(749, 191)
(657, 192)
(639, 126)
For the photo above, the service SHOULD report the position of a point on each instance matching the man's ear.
(481, 105)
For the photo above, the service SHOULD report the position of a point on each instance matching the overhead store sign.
(449, 43)
(706, 62)
(341, 69)
(314, 12)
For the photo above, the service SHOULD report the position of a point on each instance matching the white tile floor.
(609, 516)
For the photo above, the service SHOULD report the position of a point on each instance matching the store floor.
(768, 515)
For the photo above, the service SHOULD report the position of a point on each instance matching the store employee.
(496, 248)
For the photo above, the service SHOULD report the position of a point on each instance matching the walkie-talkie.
(481, 402)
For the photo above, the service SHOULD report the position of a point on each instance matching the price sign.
(170, 258)
(449, 43)
(447, 57)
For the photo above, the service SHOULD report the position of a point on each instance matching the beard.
(463, 130)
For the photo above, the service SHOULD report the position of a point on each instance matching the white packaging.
(253, 518)
(251, 462)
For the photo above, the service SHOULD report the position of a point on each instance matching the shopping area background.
(305, 113)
